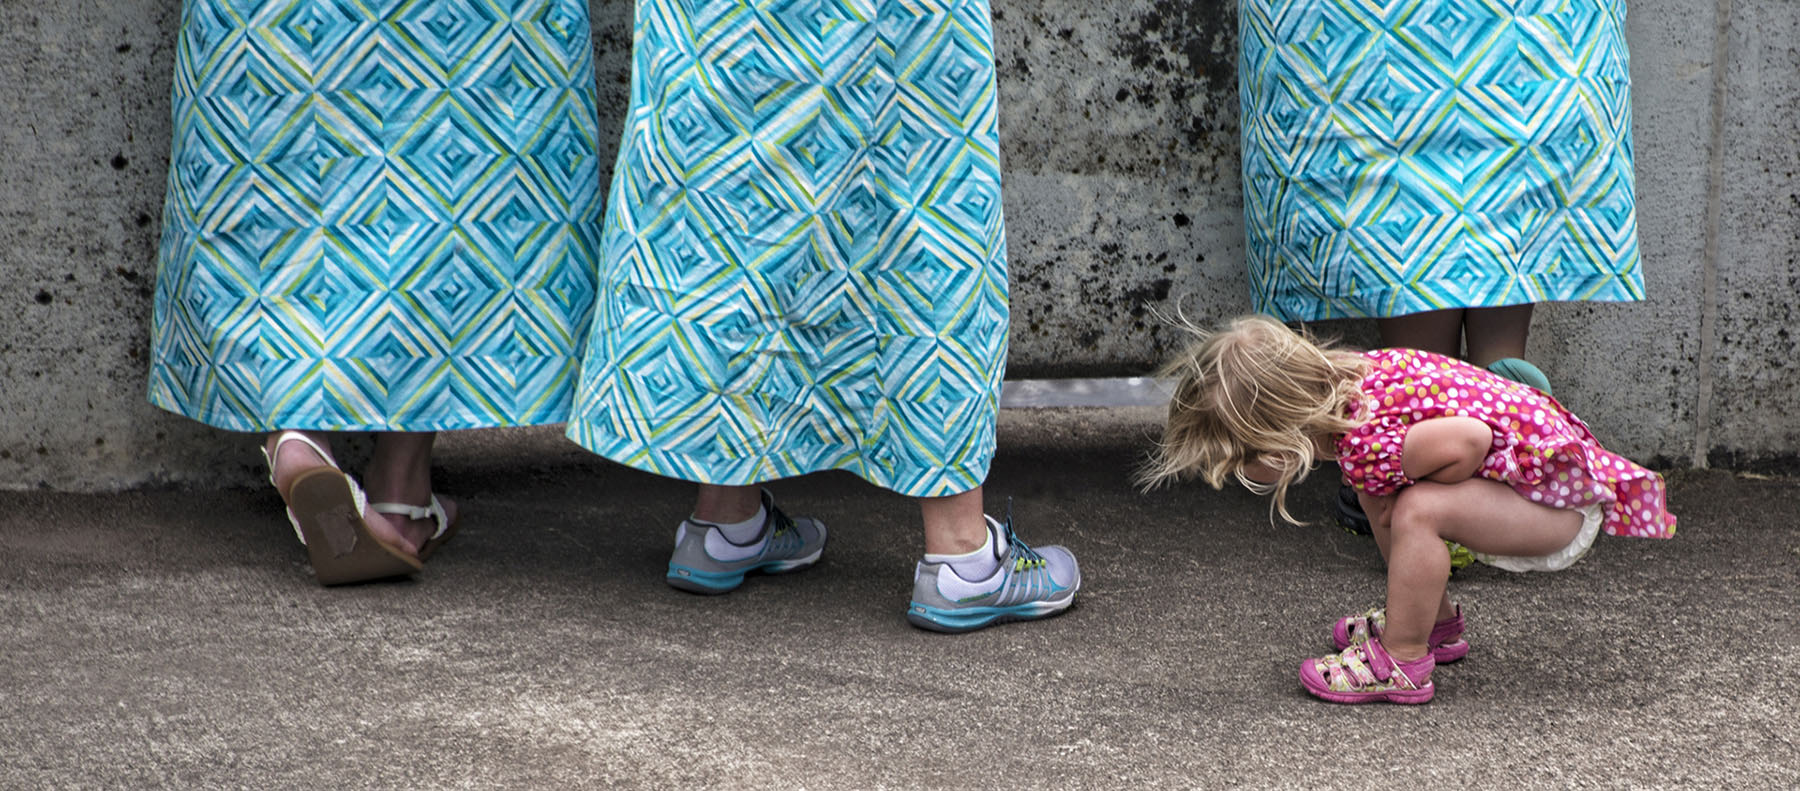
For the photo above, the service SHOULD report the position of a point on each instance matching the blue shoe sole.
(970, 619)
(713, 583)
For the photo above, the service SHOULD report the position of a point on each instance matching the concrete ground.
(174, 639)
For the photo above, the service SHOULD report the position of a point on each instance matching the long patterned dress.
(804, 264)
(382, 215)
(1406, 157)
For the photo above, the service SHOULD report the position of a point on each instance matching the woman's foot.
(709, 559)
(1026, 583)
(345, 539)
(294, 459)
(290, 457)
(421, 527)
(399, 481)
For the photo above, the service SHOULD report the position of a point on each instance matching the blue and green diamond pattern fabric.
(381, 214)
(803, 262)
(1419, 155)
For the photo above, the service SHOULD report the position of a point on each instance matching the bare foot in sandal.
(423, 527)
(346, 540)
(296, 458)
(399, 479)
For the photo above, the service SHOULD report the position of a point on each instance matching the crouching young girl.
(1437, 450)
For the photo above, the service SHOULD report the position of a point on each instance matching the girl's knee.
(1422, 506)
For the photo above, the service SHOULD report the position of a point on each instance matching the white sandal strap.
(434, 512)
(283, 438)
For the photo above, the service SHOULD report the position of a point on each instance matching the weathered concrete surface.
(1119, 123)
(162, 640)
(84, 151)
(1756, 402)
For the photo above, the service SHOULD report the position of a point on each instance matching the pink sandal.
(1364, 673)
(1445, 642)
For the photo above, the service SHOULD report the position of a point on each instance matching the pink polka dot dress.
(1540, 449)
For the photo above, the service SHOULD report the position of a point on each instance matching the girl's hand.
(1445, 449)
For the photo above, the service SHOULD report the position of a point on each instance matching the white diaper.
(1561, 559)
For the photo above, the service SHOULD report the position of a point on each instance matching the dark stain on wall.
(1095, 98)
(1181, 49)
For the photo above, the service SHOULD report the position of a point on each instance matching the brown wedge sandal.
(326, 508)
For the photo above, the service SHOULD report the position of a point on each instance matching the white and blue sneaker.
(705, 561)
(1031, 583)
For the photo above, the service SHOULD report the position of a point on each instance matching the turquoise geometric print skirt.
(1407, 157)
(804, 264)
(382, 215)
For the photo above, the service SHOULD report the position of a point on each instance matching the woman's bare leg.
(954, 525)
(400, 472)
(1496, 333)
(726, 505)
(1437, 331)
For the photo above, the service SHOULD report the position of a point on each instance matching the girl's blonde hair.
(1255, 391)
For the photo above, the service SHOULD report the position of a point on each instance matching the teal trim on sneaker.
(784, 544)
(1031, 583)
(726, 581)
(968, 619)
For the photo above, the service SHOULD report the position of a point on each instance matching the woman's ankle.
(404, 487)
(400, 469)
(723, 505)
(289, 459)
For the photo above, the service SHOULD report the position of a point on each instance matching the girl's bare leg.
(1380, 510)
(1483, 515)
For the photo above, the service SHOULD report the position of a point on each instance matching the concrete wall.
(1120, 131)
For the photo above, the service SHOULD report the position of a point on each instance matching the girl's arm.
(1445, 449)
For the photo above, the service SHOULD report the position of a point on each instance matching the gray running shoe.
(705, 561)
(1031, 583)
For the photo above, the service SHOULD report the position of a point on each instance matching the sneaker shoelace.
(783, 523)
(784, 535)
(1023, 556)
